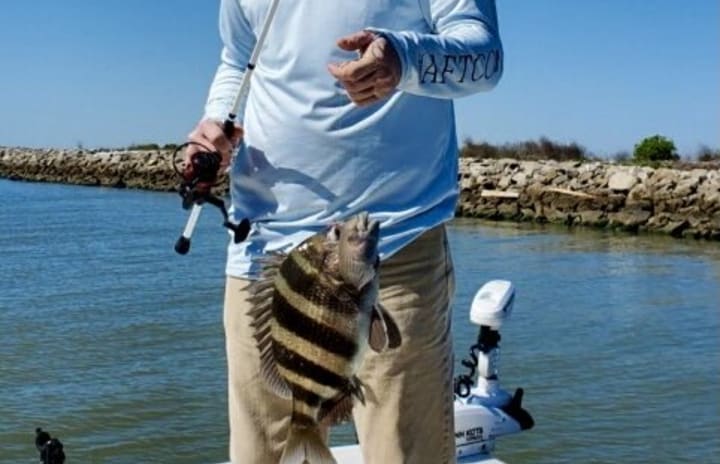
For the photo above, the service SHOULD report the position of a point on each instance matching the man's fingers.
(381, 77)
(197, 142)
(237, 136)
(357, 41)
(353, 71)
(209, 135)
(214, 133)
(366, 101)
(365, 83)
(364, 88)
(375, 92)
(386, 82)
(191, 149)
(363, 95)
(371, 77)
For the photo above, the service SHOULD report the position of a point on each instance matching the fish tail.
(306, 445)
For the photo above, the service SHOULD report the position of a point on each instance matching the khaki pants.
(408, 415)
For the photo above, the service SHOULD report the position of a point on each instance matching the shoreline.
(681, 203)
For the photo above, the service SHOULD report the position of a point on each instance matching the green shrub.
(655, 149)
(543, 149)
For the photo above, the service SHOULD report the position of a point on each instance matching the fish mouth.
(361, 236)
(366, 228)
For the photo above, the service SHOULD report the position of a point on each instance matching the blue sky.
(601, 73)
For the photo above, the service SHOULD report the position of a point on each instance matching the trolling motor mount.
(199, 176)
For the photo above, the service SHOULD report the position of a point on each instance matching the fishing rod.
(200, 173)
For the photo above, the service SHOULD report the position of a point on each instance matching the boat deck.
(351, 455)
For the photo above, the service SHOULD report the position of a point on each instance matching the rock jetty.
(683, 203)
(149, 170)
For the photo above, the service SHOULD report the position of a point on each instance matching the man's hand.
(209, 135)
(374, 74)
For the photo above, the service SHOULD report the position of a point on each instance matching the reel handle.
(182, 246)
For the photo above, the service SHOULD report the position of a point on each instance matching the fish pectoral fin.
(377, 338)
(384, 333)
(336, 411)
(356, 388)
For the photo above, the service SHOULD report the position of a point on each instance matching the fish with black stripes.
(315, 311)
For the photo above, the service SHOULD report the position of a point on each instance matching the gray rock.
(622, 181)
(592, 218)
(630, 218)
(675, 228)
(520, 179)
(504, 182)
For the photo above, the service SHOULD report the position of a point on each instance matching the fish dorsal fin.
(261, 296)
(384, 333)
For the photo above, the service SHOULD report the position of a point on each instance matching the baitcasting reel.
(199, 176)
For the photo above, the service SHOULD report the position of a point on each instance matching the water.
(114, 343)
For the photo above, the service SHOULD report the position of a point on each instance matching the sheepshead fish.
(315, 312)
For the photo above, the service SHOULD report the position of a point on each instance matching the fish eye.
(333, 232)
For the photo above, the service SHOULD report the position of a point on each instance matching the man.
(350, 110)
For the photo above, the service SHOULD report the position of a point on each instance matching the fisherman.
(351, 110)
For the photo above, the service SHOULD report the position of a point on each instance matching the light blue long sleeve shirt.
(310, 156)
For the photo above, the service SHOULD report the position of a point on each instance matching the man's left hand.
(374, 74)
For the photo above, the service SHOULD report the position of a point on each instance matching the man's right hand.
(209, 135)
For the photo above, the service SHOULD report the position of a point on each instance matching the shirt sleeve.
(462, 54)
(238, 41)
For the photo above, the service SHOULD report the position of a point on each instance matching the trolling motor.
(201, 172)
(50, 449)
(483, 410)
